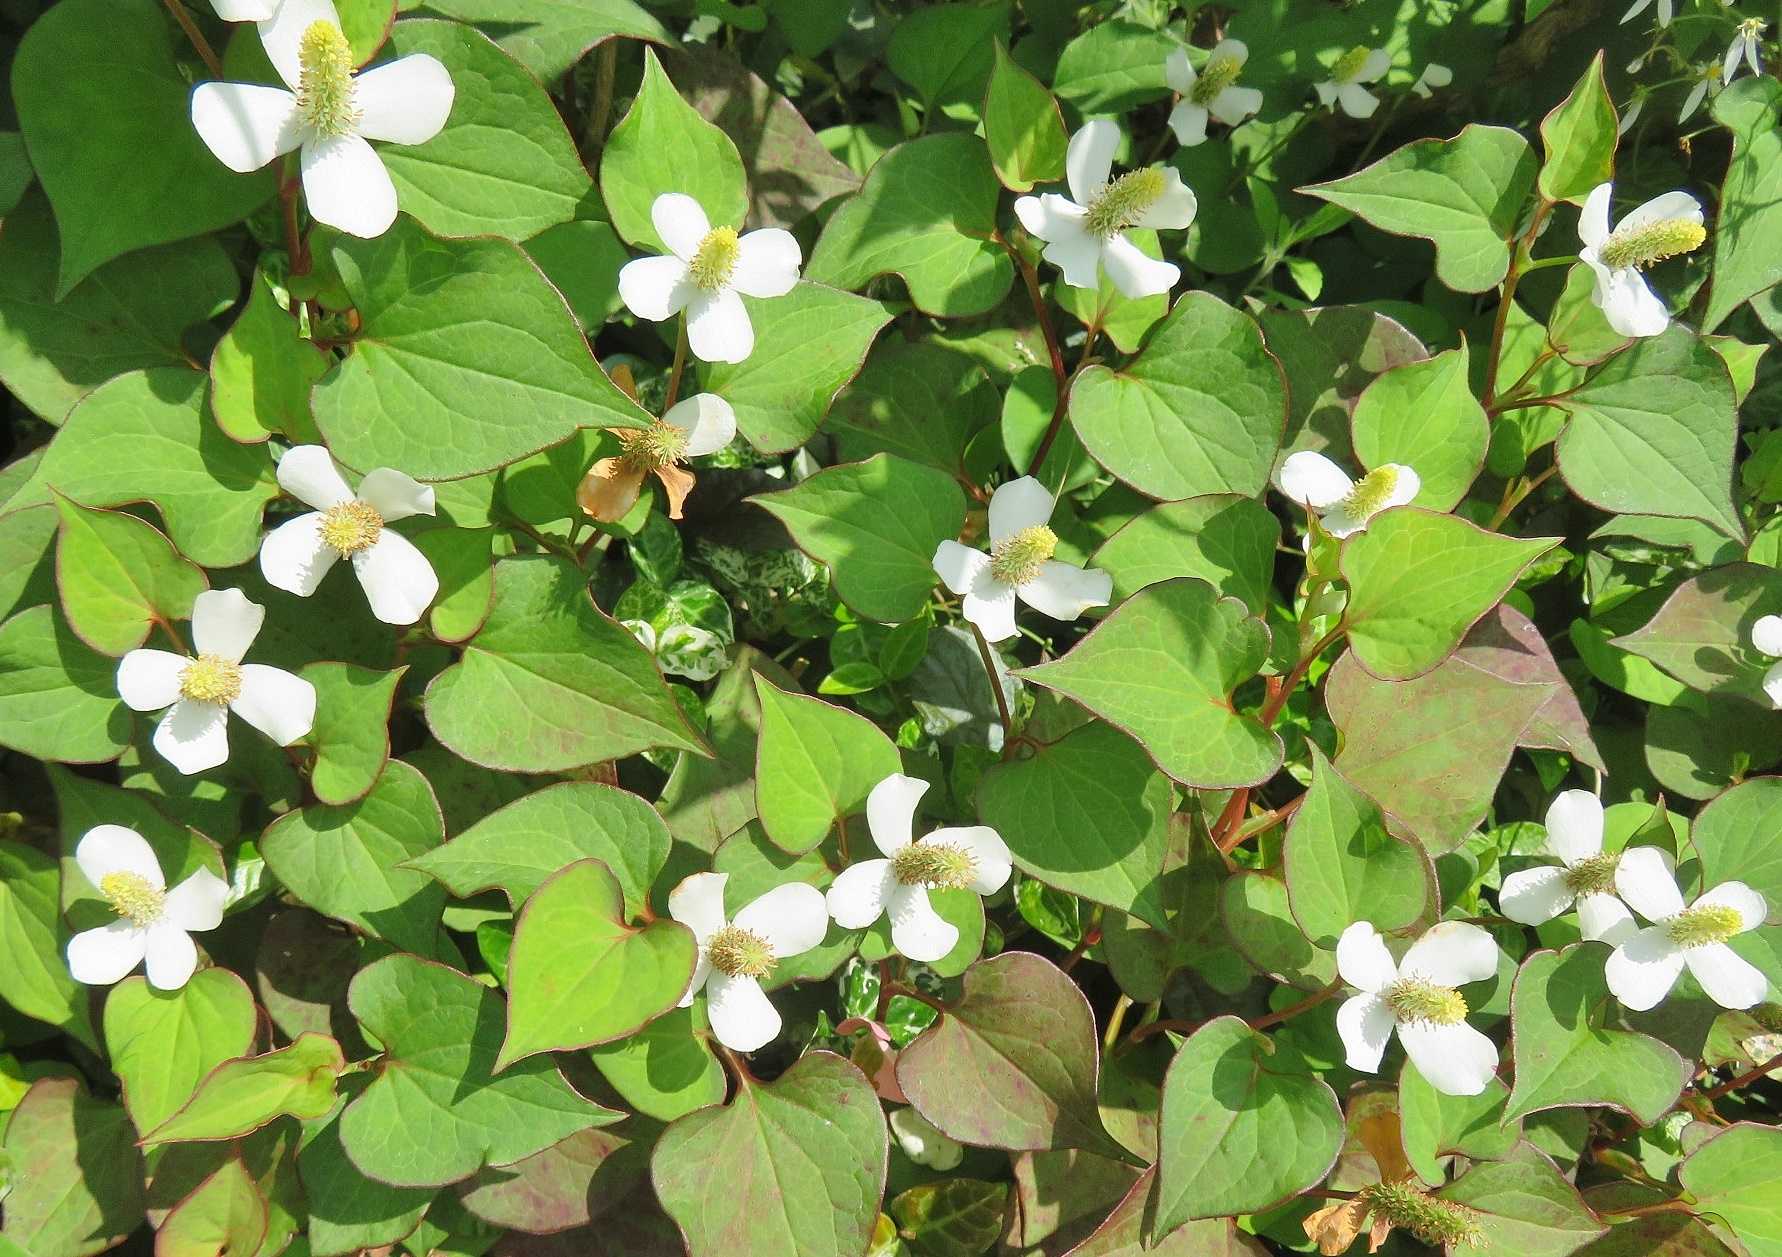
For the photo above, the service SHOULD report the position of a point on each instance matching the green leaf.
(15, 171)
(1749, 199)
(1013, 1064)
(1434, 1125)
(1702, 633)
(793, 1167)
(1424, 416)
(876, 526)
(808, 345)
(224, 1216)
(943, 51)
(1113, 66)
(35, 978)
(1255, 911)
(707, 800)
(1089, 815)
(1162, 668)
(955, 1217)
(1200, 410)
(927, 212)
(345, 861)
(58, 697)
(582, 259)
(1127, 1232)
(1733, 1175)
(119, 577)
(262, 370)
(1653, 432)
(437, 1114)
(1509, 646)
(665, 1070)
(591, 1174)
(162, 1044)
(1523, 1206)
(580, 974)
(120, 177)
(27, 559)
(814, 766)
(662, 145)
(1022, 125)
(1236, 1136)
(1465, 195)
(463, 560)
(83, 1192)
(350, 1211)
(351, 737)
(1126, 321)
(1329, 356)
(242, 1095)
(430, 393)
(1225, 540)
(1738, 837)
(916, 399)
(1579, 137)
(1418, 581)
(550, 36)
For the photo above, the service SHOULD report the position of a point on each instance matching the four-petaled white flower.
(1585, 875)
(1213, 91)
(1019, 563)
(1417, 997)
(736, 953)
(1663, 227)
(701, 424)
(1766, 636)
(153, 923)
(1666, 10)
(398, 580)
(707, 272)
(1344, 86)
(199, 693)
(1085, 232)
(1744, 44)
(1345, 506)
(329, 113)
(970, 856)
(1644, 968)
(1434, 75)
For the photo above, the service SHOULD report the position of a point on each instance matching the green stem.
(680, 365)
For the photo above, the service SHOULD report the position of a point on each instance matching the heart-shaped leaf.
(1733, 1175)
(242, 1095)
(163, 1043)
(815, 765)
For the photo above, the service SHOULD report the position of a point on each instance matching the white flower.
(1666, 10)
(1345, 506)
(1085, 232)
(245, 10)
(704, 272)
(923, 1143)
(1417, 997)
(1706, 80)
(734, 955)
(1663, 227)
(1766, 636)
(1631, 114)
(398, 580)
(328, 114)
(200, 692)
(1020, 563)
(1585, 875)
(1744, 43)
(153, 922)
(973, 856)
(1213, 90)
(1344, 86)
(1434, 75)
(1642, 970)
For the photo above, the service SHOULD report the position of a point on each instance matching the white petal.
(148, 680)
(1602, 918)
(246, 125)
(1362, 958)
(1664, 206)
(398, 579)
(1642, 969)
(225, 623)
(1730, 980)
(891, 811)
(114, 849)
(1645, 883)
(394, 495)
(1575, 826)
(922, 1142)
(1600, 273)
(1456, 1060)
(1178, 71)
(1766, 635)
(1378, 62)
(1309, 478)
(959, 566)
(1364, 1024)
(244, 10)
(793, 918)
(1452, 953)
(1089, 158)
(310, 474)
(1772, 684)
(172, 956)
(718, 328)
(992, 863)
(1748, 903)
(404, 102)
(293, 557)
(655, 288)
(857, 896)
(346, 185)
(1639, 6)
(1531, 896)
(1631, 307)
(1691, 102)
(280, 704)
(742, 1016)
(102, 956)
(194, 736)
(1405, 486)
(281, 34)
(698, 903)
(702, 969)
(1356, 100)
(1174, 208)
(1075, 252)
(767, 263)
(1132, 272)
(990, 605)
(1730, 62)
(1050, 216)
(917, 930)
(1018, 505)
(197, 903)
(1235, 104)
(1189, 122)
(681, 222)
(1065, 592)
(1339, 523)
(1327, 92)
(1235, 49)
(708, 420)
(1593, 219)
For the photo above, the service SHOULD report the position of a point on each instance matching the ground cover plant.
(814, 628)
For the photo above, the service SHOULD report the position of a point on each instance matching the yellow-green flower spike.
(1704, 924)
(325, 87)
(1414, 1000)
(1219, 73)
(1594, 876)
(1124, 202)
(659, 445)
(132, 897)
(1438, 1223)
(1371, 493)
(933, 864)
(1349, 64)
(740, 953)
(1016, 560)
(1651, 244)
(351, 527)
(714, 260)
(211, 679)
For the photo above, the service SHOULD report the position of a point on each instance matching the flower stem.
(605, 64)
(680, 365)
(1519, 259)
(1515, 492)
(289, 183)
(1749, 1076)
(1002, 702)
(1273, 707)
(205, 51)
(1293, 1010)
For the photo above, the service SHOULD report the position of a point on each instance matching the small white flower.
(734, 955)
(707, 272)
(398, 580)
(1417, 998)
(973, 856)
(1666, 10)
(1345, 506)
(245, 10)
(1434, 75)
(199, 693)
(1663, 227)
(1745, 43)
(1642, 970)
(1344, 86)
(329, 113)
(1707, 79)
(1085, 233)
(1585, 876)
(923, 1143)
(1766, 636)
(1213, 91)
(153, 923)
(1020, 563)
